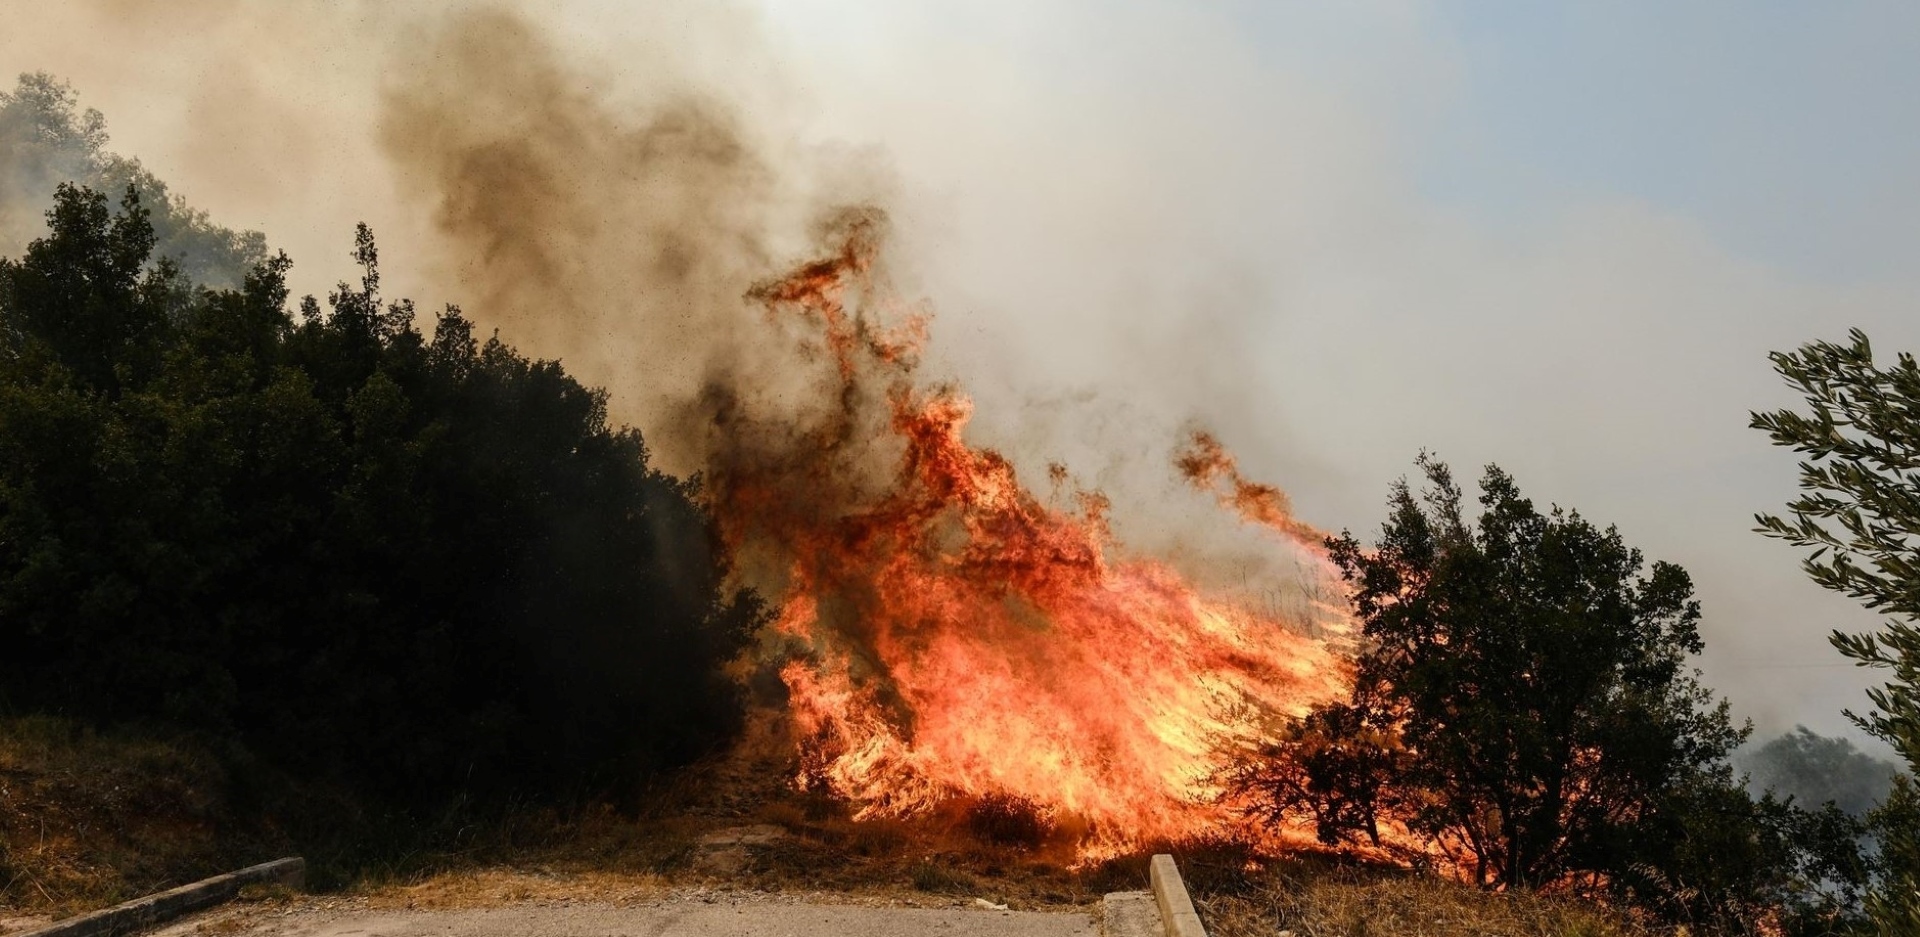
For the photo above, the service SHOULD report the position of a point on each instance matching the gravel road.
(706, 916)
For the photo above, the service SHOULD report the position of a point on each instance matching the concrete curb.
(1170, 892)
(168, 905)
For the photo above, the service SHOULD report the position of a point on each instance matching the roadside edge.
(168, 905)
(1170, 892)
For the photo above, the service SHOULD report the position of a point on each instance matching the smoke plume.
(620, 240)
(944, 634)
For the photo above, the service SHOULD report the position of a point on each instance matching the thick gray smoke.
(621, 237)
(621, 247)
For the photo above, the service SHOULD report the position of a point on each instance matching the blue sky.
(1790, 130)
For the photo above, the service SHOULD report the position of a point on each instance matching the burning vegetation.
(430, 570)
(947, 636)
(943, 634)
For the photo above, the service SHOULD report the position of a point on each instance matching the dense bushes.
(1523, 707)
(411, 564)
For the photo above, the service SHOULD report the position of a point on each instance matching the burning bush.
(950, 637)
(1007, 820)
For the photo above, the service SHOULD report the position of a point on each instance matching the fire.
(950, 637)
(1210, 467)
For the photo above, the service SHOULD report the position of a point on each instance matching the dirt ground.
(703, 913)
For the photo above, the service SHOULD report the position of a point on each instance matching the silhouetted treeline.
(414, 563)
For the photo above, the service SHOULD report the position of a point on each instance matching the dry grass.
(607, 857)
(679, 841)
(89, 819)
(493, 887)
(1314, 898)
(889, 863)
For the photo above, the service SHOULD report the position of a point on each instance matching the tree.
(46, 140)
(418, 566)
(87, 302)
(1859, 514)
(1339, 766)
(1815, 769)
(1523, 707)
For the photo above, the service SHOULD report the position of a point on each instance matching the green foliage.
(1894, 904)
(1859, 514)
(1524, 707)
(412, 565)
(46, 140)
(1714, 856)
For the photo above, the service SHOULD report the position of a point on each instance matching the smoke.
(45, 142)
(605, 197)
(253, 114)
(1131, 217)
(619, 238)
(623, 233)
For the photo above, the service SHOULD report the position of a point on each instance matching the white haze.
(1130, 218)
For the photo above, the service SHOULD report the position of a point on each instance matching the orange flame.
(1210, 467)
(951, 636)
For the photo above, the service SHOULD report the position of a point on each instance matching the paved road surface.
(668, 917)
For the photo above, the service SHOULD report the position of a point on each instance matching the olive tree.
(1859, 516)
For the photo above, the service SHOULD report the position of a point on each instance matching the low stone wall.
(166, 906)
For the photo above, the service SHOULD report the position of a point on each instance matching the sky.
(1562, 238)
